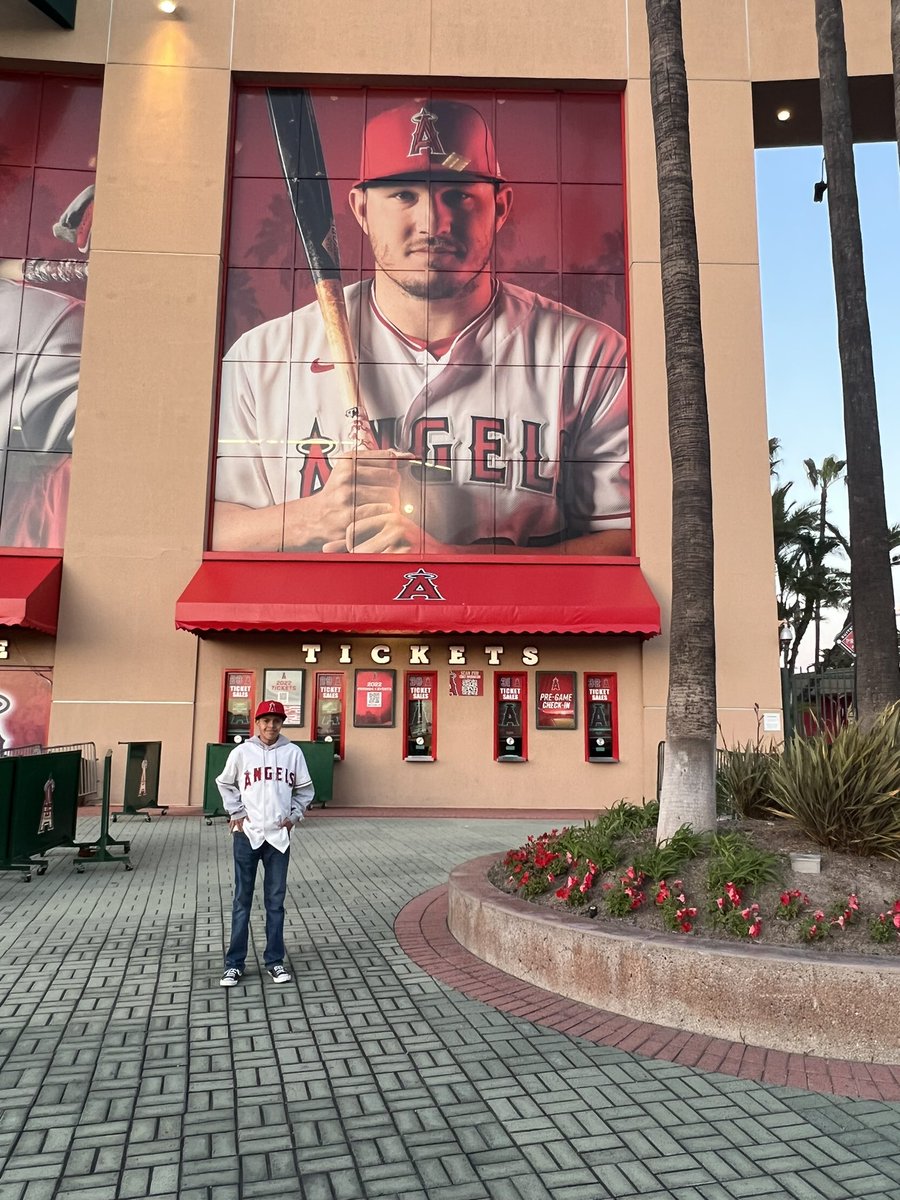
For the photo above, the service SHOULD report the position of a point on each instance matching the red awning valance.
(392, 595)
(29, 590)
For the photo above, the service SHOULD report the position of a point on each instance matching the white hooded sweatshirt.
(263, 785)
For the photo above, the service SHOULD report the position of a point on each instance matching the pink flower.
(897, 920)
(818, 915)
(720, 903)
(754, 929)
(853, 903)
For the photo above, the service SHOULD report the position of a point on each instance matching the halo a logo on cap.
(425, 138)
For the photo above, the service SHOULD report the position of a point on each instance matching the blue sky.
(803, 382)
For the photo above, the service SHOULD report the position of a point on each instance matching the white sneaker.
(231, 977)
(278, 974)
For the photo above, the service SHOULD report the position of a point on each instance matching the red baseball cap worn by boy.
(269, 708)
(428, 139)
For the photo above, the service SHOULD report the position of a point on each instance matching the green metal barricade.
(7, 774)
(142, 761)
(104, 848)
(319, 758)
(38, 808)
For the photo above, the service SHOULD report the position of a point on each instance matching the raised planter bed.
(802, 1002)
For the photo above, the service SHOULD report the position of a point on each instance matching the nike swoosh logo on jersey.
(318, 367)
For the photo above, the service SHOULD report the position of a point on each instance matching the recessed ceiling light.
(167, 6)
(784, 114)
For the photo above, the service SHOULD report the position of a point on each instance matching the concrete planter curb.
(801, 1003)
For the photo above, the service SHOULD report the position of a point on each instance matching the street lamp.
(785, 640)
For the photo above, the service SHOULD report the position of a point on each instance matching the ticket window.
(237, 706)
(419, 716)
(330, 710)
(602, 719)
(510, 700)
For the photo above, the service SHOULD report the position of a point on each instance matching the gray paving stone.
(367, 1079)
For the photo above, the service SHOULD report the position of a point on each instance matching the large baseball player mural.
(48, 151)
(448, 399)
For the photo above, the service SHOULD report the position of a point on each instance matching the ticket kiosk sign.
(330, 709)
(510, 696)
(419, 706)
(602, 720)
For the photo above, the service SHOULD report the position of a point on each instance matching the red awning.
(29, 590)
(392, 595)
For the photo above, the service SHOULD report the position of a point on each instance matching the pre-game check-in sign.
(555, 700)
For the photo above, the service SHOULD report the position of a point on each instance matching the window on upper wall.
(48, 160)
(465, 310)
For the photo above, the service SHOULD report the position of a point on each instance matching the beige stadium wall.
(137, 514)
(464, 774)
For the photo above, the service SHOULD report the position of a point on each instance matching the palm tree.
(822, 478)
(688, 792)
(874, 625)
(806, 582)
(895, 55)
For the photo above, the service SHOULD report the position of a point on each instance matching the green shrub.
(743, 780)
(844, 791)
(736, 860)
(667, 860)
(597, 841)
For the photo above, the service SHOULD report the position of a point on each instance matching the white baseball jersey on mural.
(40, 344)
(522, 424)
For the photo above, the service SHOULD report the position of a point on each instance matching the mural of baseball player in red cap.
(500, 416)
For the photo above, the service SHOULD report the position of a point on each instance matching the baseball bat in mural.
(300, 151)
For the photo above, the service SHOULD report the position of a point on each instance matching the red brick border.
(421, 929)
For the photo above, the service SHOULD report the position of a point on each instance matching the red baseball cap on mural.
(269, 708)
(439, 138)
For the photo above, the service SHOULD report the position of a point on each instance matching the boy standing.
(266, 789)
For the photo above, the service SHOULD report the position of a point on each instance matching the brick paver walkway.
(128, 1072)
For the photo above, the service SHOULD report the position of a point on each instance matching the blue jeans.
(275, 868)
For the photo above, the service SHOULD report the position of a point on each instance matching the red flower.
(853, 903)
(754, 929)
(686, 927)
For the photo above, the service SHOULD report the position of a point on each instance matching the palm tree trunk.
(877, 671)
(895, 54)
(688, 786)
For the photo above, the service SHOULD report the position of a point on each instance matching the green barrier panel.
(319, 758)
(7, 774)
(142, 778)
(216, 755)
(44, 807)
